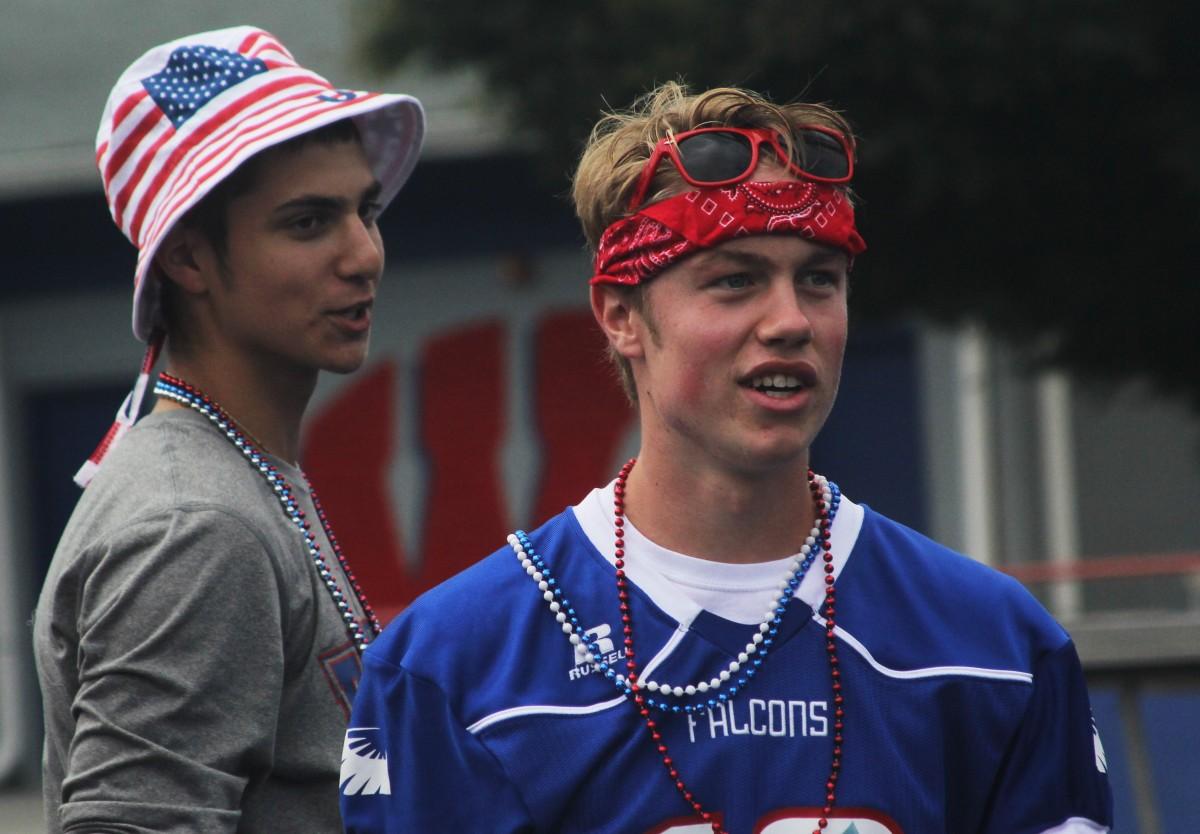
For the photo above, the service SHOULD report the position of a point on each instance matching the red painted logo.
(460, 415)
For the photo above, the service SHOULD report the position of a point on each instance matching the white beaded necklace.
(797, 568)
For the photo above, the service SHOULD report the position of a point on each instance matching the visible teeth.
(776, 381)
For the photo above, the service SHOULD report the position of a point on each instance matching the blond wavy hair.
(622, 141)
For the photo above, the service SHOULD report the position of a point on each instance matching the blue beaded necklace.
(181, 392)
(535, 566)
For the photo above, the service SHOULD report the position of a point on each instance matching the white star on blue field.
(194, 75)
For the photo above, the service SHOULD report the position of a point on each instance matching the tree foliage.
(1031, 165)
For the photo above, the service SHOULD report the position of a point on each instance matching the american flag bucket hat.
(185, 115)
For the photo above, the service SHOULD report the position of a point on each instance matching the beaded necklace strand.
(748, 661)
(826, 498)
(181, 392)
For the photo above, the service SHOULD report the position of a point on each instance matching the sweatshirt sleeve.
(409, 764)
(180, 662)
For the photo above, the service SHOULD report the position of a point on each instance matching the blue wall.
(872, 446)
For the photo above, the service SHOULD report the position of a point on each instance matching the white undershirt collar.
(683, 585)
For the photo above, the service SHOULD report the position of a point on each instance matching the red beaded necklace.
(822, 511)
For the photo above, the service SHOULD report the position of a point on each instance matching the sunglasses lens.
(822, 155)
(715, 156)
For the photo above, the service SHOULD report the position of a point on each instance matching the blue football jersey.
(965, 705)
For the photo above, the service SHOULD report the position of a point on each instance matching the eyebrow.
(819, 257)
(716, 256)
(327, 202)
(826, 256)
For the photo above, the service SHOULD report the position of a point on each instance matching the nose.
(784, 322)
(361, 253)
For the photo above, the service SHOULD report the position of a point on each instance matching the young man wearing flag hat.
(719, 640)
(199, 635)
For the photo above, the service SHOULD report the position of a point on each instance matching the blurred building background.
(485, 375)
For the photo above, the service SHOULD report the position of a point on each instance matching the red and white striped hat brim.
(169, 135)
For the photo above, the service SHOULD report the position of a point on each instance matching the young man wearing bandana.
(718, 640)
(199, 635)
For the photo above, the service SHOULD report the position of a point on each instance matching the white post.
(13, 635)
(976, 470)
(521, 449)
(1055, 439)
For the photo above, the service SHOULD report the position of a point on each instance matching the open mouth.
(355, 312)
(778, 386)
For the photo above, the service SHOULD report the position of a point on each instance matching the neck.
(719, 513)
(269, 406)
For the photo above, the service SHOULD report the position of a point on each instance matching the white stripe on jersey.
(541, 709)
(928, 672)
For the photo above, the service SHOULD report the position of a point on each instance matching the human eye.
(369, 211)
(734, 281)
(821, 279)
(306, 224)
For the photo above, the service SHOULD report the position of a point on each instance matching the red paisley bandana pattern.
(638, 247)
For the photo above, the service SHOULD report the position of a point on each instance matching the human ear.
(615, 313)
(178, 259)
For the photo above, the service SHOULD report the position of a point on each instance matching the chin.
(344, 364)
(780, 452)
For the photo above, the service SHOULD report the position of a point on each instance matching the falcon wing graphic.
(364, 763)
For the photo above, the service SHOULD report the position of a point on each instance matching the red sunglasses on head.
(714, 156)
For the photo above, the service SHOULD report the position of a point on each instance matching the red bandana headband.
(636, 248)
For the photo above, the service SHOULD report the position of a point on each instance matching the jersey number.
(799, 821)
